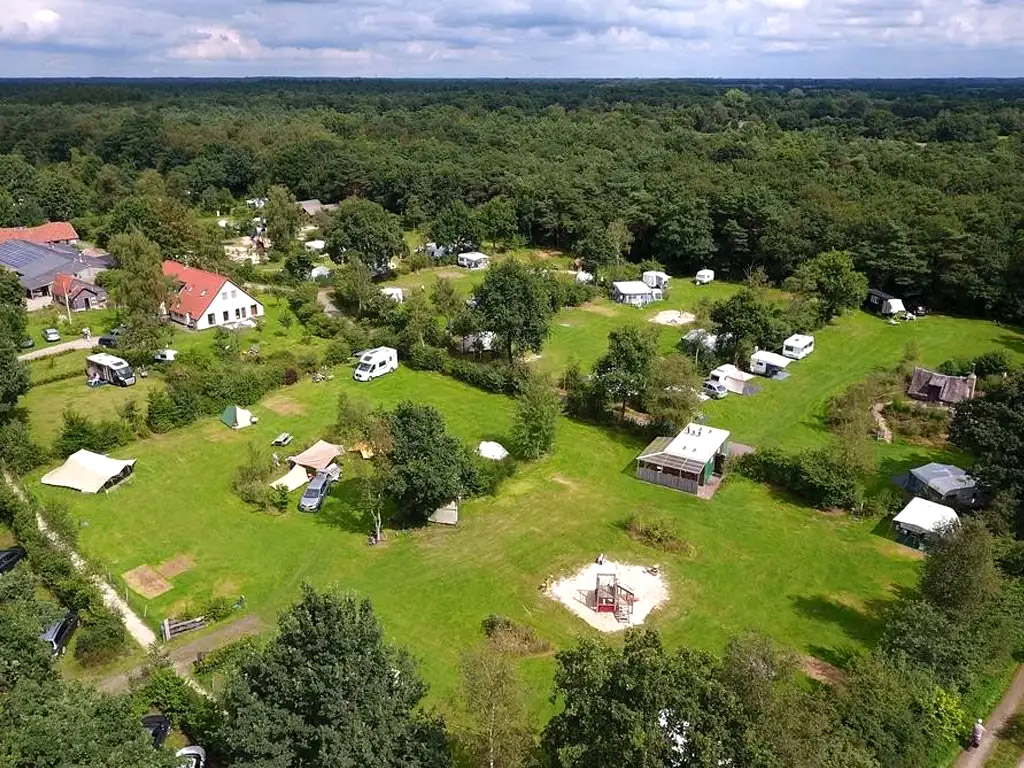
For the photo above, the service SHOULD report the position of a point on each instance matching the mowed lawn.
(812, 581)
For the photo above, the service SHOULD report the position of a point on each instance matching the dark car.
(109, 340)
(158, 726)
(59, 634)
(315, 493)
(28, 343)
(10, 558)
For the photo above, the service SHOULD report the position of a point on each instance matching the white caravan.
(376, 362)
(704, 276)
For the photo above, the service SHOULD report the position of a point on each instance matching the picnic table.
(283, 439)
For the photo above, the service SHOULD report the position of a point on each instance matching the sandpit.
(576, 593)
(673, 317)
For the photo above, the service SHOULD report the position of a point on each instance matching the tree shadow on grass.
(862, 625)
(341, 508)
(1013, 343)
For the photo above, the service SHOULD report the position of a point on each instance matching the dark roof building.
(37, 265)
(932, 387)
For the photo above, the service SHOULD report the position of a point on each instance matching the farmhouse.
(37, 266)
(938, 388)
(473, 260)
(922, 519)
(77, 295)
(768, 364)
(943, 483)
(798, 346)
(883, 303)
(206, 300)
(635, 293)
(89, 472)
(692, 461)
(51, 233)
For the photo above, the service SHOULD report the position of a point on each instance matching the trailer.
(104, 368)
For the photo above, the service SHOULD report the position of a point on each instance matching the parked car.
(315, 493)
(51, 335)
(28, 343)
(59, 634)
(166, 355)
(715, 389)
(10, 558)
(159, 726)
(192, 757)
(109, 340)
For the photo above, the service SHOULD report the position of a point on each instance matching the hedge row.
(499, 377)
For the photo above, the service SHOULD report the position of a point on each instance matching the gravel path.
(56, 349)
(975, 758)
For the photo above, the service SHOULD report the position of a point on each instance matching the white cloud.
(513, 37)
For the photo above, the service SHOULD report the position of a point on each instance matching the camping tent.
(733, 379)
(491, 450)
(295, 478)
(237, 417)
(922, 517)
(318, 456)
(446, 515)
(89, 472)
(893, 307)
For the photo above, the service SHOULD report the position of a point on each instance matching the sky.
(512, 38)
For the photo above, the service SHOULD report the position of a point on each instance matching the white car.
(192, 757)
(166, 355)
(51, 335)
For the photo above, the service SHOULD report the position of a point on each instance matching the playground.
(611, 596)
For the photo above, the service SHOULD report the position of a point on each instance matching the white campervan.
(376, 362)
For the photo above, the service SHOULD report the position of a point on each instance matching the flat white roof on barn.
(698, 442)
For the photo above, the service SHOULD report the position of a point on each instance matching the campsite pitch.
(146, 581)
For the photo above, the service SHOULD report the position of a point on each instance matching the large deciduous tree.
(745, 320)
(284, 218)
(513, 302)
(624, 373)
(536, 417)
(496, 221)
(495, 729)
(832, 281)
(140, 288)
(428, 467)
(455, 227)
(328, 691)
(367, 230)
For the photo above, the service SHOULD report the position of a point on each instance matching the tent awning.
(88, 472)
(446, 515)
(924, 516)
(318, 456)
(296, 477)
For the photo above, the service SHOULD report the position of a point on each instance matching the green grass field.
(813, 581)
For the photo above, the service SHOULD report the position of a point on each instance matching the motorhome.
(104, 368)
(376, 362)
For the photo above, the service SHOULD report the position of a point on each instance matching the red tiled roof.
(64, 283)
(198, 288)
(51, 232)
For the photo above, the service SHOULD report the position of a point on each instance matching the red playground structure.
(612, 597)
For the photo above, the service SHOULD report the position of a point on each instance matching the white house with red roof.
(207, 300)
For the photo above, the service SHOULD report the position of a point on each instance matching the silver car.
(51, 335)
(317, 490)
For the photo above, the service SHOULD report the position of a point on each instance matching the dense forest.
(920, 180)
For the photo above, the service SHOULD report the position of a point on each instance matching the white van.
(376, 362)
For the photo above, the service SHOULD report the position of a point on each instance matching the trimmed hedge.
(499, 377)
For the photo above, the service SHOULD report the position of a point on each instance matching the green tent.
(237, 417)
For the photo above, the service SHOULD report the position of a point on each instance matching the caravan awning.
(318, 456)
(88, 472)
(924, 516)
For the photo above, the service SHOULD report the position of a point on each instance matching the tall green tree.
(832, 281)
(13, 309)
(536, 417)
(960, 576)
(455, 227)
(746, 320)
(672, 398)
(491, 696)
(624, 373)
(513, 302)
(329, 690)
(284, 218)
(428, 466)
(368, 231)
(141, 290)
(496, 221)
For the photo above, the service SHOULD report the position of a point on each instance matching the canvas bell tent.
(237, 417)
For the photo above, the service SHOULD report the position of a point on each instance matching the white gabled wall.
(230, 299)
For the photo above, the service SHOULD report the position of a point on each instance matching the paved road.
(56, 349)
(183, 656)
(975, 758)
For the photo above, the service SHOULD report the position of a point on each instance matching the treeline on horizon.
(920, 180)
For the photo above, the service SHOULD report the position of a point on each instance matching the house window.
(224, 295)
(211, 319)
(243, 312)
(254, 310)
(238, 313)
(226, 316)
(234, 294)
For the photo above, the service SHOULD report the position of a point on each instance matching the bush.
(227, 657)
(189, 710)
(825, 477)
(338, 352)
(79, 432)
(217, 608)
(101, 638)
(513, 637)
(884, 503)
(656, 532)
(493, 473)
(17, 448)
(992, 363)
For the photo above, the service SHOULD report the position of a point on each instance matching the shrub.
(512, 637)
(217, 608)
(79, 432)
(227, 657)
(493, 473)
(992, 363)
(290, 376)
(17, 448)
(338, 352)
(656, 532)
(101, 638)
(957, 366)
(189, 710)
(161, 413)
